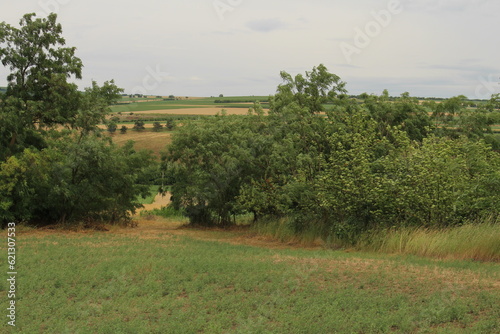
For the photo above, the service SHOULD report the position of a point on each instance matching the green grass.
(166, 212)
(153, 190)
(169, 283)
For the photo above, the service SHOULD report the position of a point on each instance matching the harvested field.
(203, 111)
(148, 140)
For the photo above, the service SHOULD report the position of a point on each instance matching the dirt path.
(159, 202)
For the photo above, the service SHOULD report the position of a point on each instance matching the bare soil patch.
(159, 202)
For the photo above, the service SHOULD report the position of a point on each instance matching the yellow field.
(199, 111)
(146, 139)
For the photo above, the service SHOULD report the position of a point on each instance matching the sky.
(431, 48)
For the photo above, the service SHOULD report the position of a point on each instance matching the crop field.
(147, 139)
(167, 106)
(163, 278)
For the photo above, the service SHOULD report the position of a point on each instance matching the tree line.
(323, 160)
(319, 158)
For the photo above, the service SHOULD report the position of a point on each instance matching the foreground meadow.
(162, 278)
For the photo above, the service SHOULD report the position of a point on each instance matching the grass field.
(159, 278)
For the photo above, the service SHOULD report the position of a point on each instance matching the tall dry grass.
(479, 242)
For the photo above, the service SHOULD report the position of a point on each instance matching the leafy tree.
(324, 160)
(123, 129)
(210, 161)
(49, 173)
(310, 92)
(170, 124)
(139, 125)
(404, 112)
(38, 93)
(73, 180)
(94, 107)
(112, 127)
(441, 183)
(157, 126)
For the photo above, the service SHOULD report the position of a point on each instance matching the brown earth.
(159, 201)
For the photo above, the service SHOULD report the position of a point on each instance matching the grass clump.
(166, 212)
(479, 242)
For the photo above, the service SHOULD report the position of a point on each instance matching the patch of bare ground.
(159, 202)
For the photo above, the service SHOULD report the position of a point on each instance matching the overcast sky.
(439, 48)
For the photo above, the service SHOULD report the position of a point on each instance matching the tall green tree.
(54, 166)
(39, 94)
(309, 92)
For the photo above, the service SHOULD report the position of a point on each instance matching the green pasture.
(107, 282)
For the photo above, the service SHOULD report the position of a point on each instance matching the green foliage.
(170, 124)
(210, 163)
(112, 127)
(49, 174)
(157, 126)
(73, 180)
(167, 212)
(139, 126)
(38, 93)
(442, 183)
(94, 106)
(404, 112)
(310, 92)
(352, 168)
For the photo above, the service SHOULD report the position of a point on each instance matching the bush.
(76, 179)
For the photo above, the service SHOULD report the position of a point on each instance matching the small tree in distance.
(112, 127)
(170, 124)
(139, 125)
(157, 126)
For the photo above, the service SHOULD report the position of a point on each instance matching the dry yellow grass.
(146, 139)
(199, 111)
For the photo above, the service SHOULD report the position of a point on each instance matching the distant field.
(243, 102)
(202, 111)
(147, 139)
